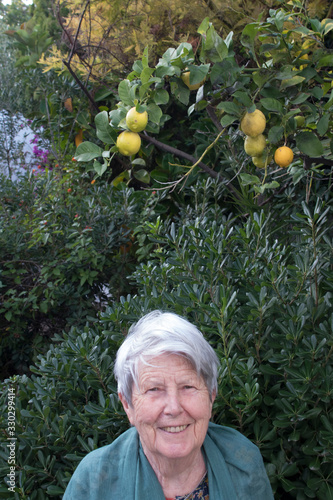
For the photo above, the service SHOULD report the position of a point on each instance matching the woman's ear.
(127, 407)
(213, 396)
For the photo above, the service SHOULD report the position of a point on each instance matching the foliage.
(72, 253)
(15, 13)
(108, 36)
(263, 298)
(245, 254)
(287, 74)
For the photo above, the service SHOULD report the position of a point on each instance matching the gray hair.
(160, 333)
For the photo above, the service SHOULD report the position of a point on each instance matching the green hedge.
(260, 289)
(63, 248)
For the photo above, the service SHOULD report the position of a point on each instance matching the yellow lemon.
(136, 121)
(300, 120)
(254, 146)
(253, 124)
(261, 161)
(128, 143)
(283, 156)
(186, 79)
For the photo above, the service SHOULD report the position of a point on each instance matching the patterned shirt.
(200, 493)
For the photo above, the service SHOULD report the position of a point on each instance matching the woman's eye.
(153, 389)
(188, 386)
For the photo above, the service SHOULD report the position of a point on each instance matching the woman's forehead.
(164, 365)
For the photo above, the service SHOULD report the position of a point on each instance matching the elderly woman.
(167, 383)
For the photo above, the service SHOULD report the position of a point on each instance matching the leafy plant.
(263, 298)
(71, 255)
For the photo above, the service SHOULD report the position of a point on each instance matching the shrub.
(261, 294)
(70, 254)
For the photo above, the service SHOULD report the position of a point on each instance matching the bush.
(261, 294)
(72, 253)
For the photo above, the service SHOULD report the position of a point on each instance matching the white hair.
(160, 333)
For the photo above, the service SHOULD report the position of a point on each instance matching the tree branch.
(186, 156)
(85, 90)
(212, 115)
(73, 48)
(320, 160)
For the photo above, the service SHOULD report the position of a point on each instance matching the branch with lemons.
(129, 141)
(253, 125)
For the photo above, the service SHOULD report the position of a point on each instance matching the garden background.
(90, 239)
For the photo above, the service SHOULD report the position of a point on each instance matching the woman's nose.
(172, 404)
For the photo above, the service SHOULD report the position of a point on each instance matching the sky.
(27, 2)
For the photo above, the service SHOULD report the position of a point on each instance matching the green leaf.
(271, 104)
(248, 36)
(275, 134)
(87, 151)
(243, 98)
(290, 82)
(142, 176)
(146, 74)
(100, 168)
(124, 91)
(154, 112)
(116, 116)
(139, 161)
(327, 60)
(8, 315)
(55, 490)
(204, 26)
(309, 144)
(103, 128)
(181, 92)
(227, 120)
(231, 108)
(198, 73)
(248, 179)
(145, 58)
(323, 123)
(43, 305)
(302, 97)
(161, 96)
(213, 46)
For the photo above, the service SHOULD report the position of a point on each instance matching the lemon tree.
(206, 110)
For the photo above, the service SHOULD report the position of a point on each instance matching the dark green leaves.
(309, 144)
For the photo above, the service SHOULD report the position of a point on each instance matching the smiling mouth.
(179, 428)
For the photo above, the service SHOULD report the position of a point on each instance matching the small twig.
(77, 33)
(68, 66)
(212, 115)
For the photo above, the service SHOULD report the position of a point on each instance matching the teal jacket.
(121, 471)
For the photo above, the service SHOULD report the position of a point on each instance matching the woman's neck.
(178, 476)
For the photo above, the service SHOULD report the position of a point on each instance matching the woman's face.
(170, 408)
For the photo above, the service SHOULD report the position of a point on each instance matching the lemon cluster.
(252, 125)
(129, 141)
